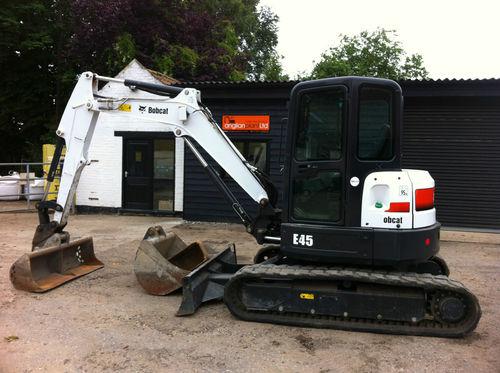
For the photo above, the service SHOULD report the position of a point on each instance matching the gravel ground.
(104, 321)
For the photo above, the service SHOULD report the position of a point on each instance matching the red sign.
(253, 123)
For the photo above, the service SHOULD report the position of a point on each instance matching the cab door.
(315, 213)
(317, 167)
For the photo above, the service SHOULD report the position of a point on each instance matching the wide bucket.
(163, 259)
(47, 268)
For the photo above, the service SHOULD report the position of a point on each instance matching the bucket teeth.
(48, 268)
(163, 259)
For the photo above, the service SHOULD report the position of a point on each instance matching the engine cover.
(389, 200)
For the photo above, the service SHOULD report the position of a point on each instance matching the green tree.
(260, 40)
(378, 54)
(272, 69)
(31, 48)
(44, 44)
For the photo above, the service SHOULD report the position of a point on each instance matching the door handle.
(305, 171)
(126, 174)
(307, 167)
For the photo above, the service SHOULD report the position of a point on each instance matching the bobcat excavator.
(354, 247)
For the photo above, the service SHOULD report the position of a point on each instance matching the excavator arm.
(181, 112)
(55, 259)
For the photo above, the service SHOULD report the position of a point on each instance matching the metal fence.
(23, 168)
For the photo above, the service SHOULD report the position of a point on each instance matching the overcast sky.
(458, 39)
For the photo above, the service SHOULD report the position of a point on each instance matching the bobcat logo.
(142, 109)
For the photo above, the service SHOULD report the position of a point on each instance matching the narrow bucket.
(46, 269)
(163, 259)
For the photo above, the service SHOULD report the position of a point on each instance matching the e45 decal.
(302, 239)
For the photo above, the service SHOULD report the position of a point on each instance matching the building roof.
(411, 87)
(256, 82)
(288, 82)
(281, 89)
(451, 87)
(239, 82)
(165, 79)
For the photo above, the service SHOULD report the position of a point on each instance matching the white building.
(133, 165)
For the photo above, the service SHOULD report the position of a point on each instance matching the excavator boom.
(55, 259)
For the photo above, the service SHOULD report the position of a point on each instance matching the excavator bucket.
(163, 259)
(45, 269)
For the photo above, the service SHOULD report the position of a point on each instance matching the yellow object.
(125, 107)
(47, 155)
(307, 296)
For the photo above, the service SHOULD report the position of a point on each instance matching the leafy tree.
(30, 54)
(260, 42)
(376, 53)
(189, 39)
(272, 69)
(46, 43)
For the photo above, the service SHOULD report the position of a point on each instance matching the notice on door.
(251, 123)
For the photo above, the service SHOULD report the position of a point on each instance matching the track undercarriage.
(283, 292)
(353, 299)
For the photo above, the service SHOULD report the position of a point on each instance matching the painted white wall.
(179, 175)
(101, 182)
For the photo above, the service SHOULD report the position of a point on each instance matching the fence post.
(27, 195)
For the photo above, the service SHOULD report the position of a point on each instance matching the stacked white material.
(35, 190)
(10, 187)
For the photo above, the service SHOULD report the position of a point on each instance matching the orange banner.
(253, 123)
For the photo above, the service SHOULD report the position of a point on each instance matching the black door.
(318, 161)
(138, 174)
(316, 212)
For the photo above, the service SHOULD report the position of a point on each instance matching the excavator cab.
(348, 201)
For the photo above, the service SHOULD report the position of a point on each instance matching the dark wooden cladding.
(458, 141)
(202, 199)
(451, 128)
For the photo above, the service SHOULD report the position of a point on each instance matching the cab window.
(375, 124)
(320, 125)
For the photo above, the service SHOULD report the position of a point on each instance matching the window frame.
(393, 122)
(341, 200)
(344, 128)
(234, 139)
(163, 180)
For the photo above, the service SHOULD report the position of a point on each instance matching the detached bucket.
(163, 259)
(51, 267)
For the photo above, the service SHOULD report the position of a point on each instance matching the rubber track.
(430, 284)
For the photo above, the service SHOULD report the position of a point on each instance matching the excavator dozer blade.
(163, 259)
(48, 268)
(206, 283)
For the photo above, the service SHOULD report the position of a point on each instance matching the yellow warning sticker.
(125, 107)
(306, 296)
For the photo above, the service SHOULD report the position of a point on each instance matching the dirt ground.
(105, 321)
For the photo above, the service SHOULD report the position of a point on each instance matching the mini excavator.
(354, 246)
